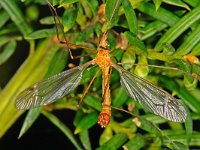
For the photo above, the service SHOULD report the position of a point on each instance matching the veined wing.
(50, 89)
(151, 97)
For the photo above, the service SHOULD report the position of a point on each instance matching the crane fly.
(151, 97)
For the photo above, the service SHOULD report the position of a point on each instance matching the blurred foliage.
(156, 32)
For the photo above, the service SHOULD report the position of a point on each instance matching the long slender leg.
(58, 24)
(87, 89)
(55, 15)
(128, 112)
(85, 55)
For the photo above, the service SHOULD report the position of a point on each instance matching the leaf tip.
(77, 130)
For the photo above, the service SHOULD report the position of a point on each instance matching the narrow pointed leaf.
(130, 16)
(86, 122)
(4, 18)
(41, 34)
(196, 50)
(115, 142)
(69, 18)
(111, 9)
(177, 146)
(177, 3)
(161, 14)
(85, 139)
(7, 51)
(157, 3)
(177, 29)
(16, 15)
(189, 127)
(134, 40)
(129, 57)
(39, 62)
(54, 68)
(136, 143)
(106, 135)
(32, 115)
(189, 43)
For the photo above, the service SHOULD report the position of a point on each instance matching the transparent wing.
(50, 89)
(151, 97)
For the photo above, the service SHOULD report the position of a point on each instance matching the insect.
(148, 95)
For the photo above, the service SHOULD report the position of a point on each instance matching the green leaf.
(86, 122)
(189, 99)
(62, 127)
(152, 28)
(4, 18)
(135, 143)
(177, 29)
(47, 20)
(79, 115)
(41, 34)
(154, 118)
(106, 135)
(32, 115)
(196, 50)
(83, 35)
(25, 76)
(183, 93)
(111, 41)
(168, 49)
(130, 16)
(148, 126)
(112, 8)
(189, 43)
(177, 146)
(58, 62)
(189, 127)
(118, 53)
(16, 15)
(10, 28)
(64, 2)
(54, 67)
(69, 18)
(189, 81)
(55, 2)
(93, 4)
(93, 102)
(177, 3)
(129, 58)
(8, 50)
(81, 18)
(142, 69)
(115, 142)
(4, 40)
(134, 40)
(180, 137)
(157, 3)
(156, 143)
(97, 29)
(161, 14)
(85, 139)
(193, 3)
(120, 97)
(196, 70)
(87, 8)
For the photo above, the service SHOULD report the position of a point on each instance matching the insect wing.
(50, 89)
(151, 97)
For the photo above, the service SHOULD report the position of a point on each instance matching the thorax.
(103, 58)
